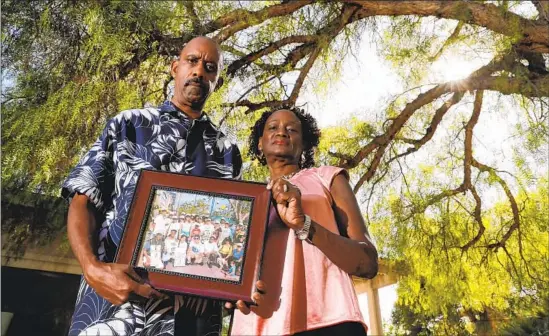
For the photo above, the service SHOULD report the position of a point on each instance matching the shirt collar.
(169, 108)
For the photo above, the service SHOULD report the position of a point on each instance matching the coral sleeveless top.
(305, 290)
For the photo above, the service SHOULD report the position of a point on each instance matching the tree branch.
(508, 85)
(241, 19)
(490, 16)
(468, 145)
(372, 168)
(303, 74)
(449, 41)
(478, 218)
(271, 47)
(257, 106)
(398, 123)
(189, 6)
(437, 118)
(468, 158)
(543, 9)
(509, 194)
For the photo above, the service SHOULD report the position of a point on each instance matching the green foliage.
(443, 278)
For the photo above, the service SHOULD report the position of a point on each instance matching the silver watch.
(303, 233)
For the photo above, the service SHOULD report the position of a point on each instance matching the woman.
(181, 252)
(225, 252)
(316, 237)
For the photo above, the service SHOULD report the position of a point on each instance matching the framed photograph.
(196, 235)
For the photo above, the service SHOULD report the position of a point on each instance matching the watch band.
(303, 233)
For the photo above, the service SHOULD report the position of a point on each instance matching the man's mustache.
(198, 81)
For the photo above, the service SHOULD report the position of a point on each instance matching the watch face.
(303, 235)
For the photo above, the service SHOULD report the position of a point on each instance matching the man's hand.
(117, 282)
(258, 298)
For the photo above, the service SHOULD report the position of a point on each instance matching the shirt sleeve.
(93, 176)
(328, 173)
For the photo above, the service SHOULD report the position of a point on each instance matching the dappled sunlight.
(454, 68)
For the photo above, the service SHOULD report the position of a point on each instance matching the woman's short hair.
(310, 136)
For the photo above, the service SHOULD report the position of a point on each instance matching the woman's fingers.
(243, 307)
(261, 287)
(283, 191)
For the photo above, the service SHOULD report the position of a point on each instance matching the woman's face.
(282, 136)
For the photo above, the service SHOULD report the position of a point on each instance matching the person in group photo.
(186, 225)
(180, 257)
(195, 254)
(161, 222)
(145, 256)
(217, 230)
(206, 229)
(240, 234)
(225, 230)
(156, 248)
(316, 238)
(238, 253)
(173, 224)
(225, 252)
(210, 252)
(232, 268)
(196, 230)
(170, 244)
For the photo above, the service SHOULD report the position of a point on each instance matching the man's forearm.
(81, 228)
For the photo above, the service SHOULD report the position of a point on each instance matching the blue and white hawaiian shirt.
(161, 138)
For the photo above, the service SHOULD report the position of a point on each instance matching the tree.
(72, 65)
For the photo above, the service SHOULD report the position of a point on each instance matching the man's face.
(196, 72)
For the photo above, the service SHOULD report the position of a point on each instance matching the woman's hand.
(288, 203)
(258, 297)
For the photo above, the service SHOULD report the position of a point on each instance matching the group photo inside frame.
(196, 235)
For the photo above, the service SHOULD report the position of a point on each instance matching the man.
(196, 251)
(170, 243)
(217, 230)
(207, 229)
(156, 245)
(225, 230)
(210, 251)
(176, 137)
(161, 222)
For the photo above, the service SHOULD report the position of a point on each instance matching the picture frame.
(198, 236)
